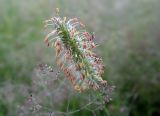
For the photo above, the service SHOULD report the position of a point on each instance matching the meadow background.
(128, 32)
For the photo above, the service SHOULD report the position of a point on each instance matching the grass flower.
(74, 53)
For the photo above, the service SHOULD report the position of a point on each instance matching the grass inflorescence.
(74, 53)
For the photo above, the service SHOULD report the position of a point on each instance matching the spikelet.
(74, 55)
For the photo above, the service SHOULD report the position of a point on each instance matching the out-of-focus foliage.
(128, 32)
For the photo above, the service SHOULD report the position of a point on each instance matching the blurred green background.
(128, 32)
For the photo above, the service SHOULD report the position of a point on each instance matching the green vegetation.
(128, 34)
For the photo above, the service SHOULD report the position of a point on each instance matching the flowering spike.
(73, 46)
